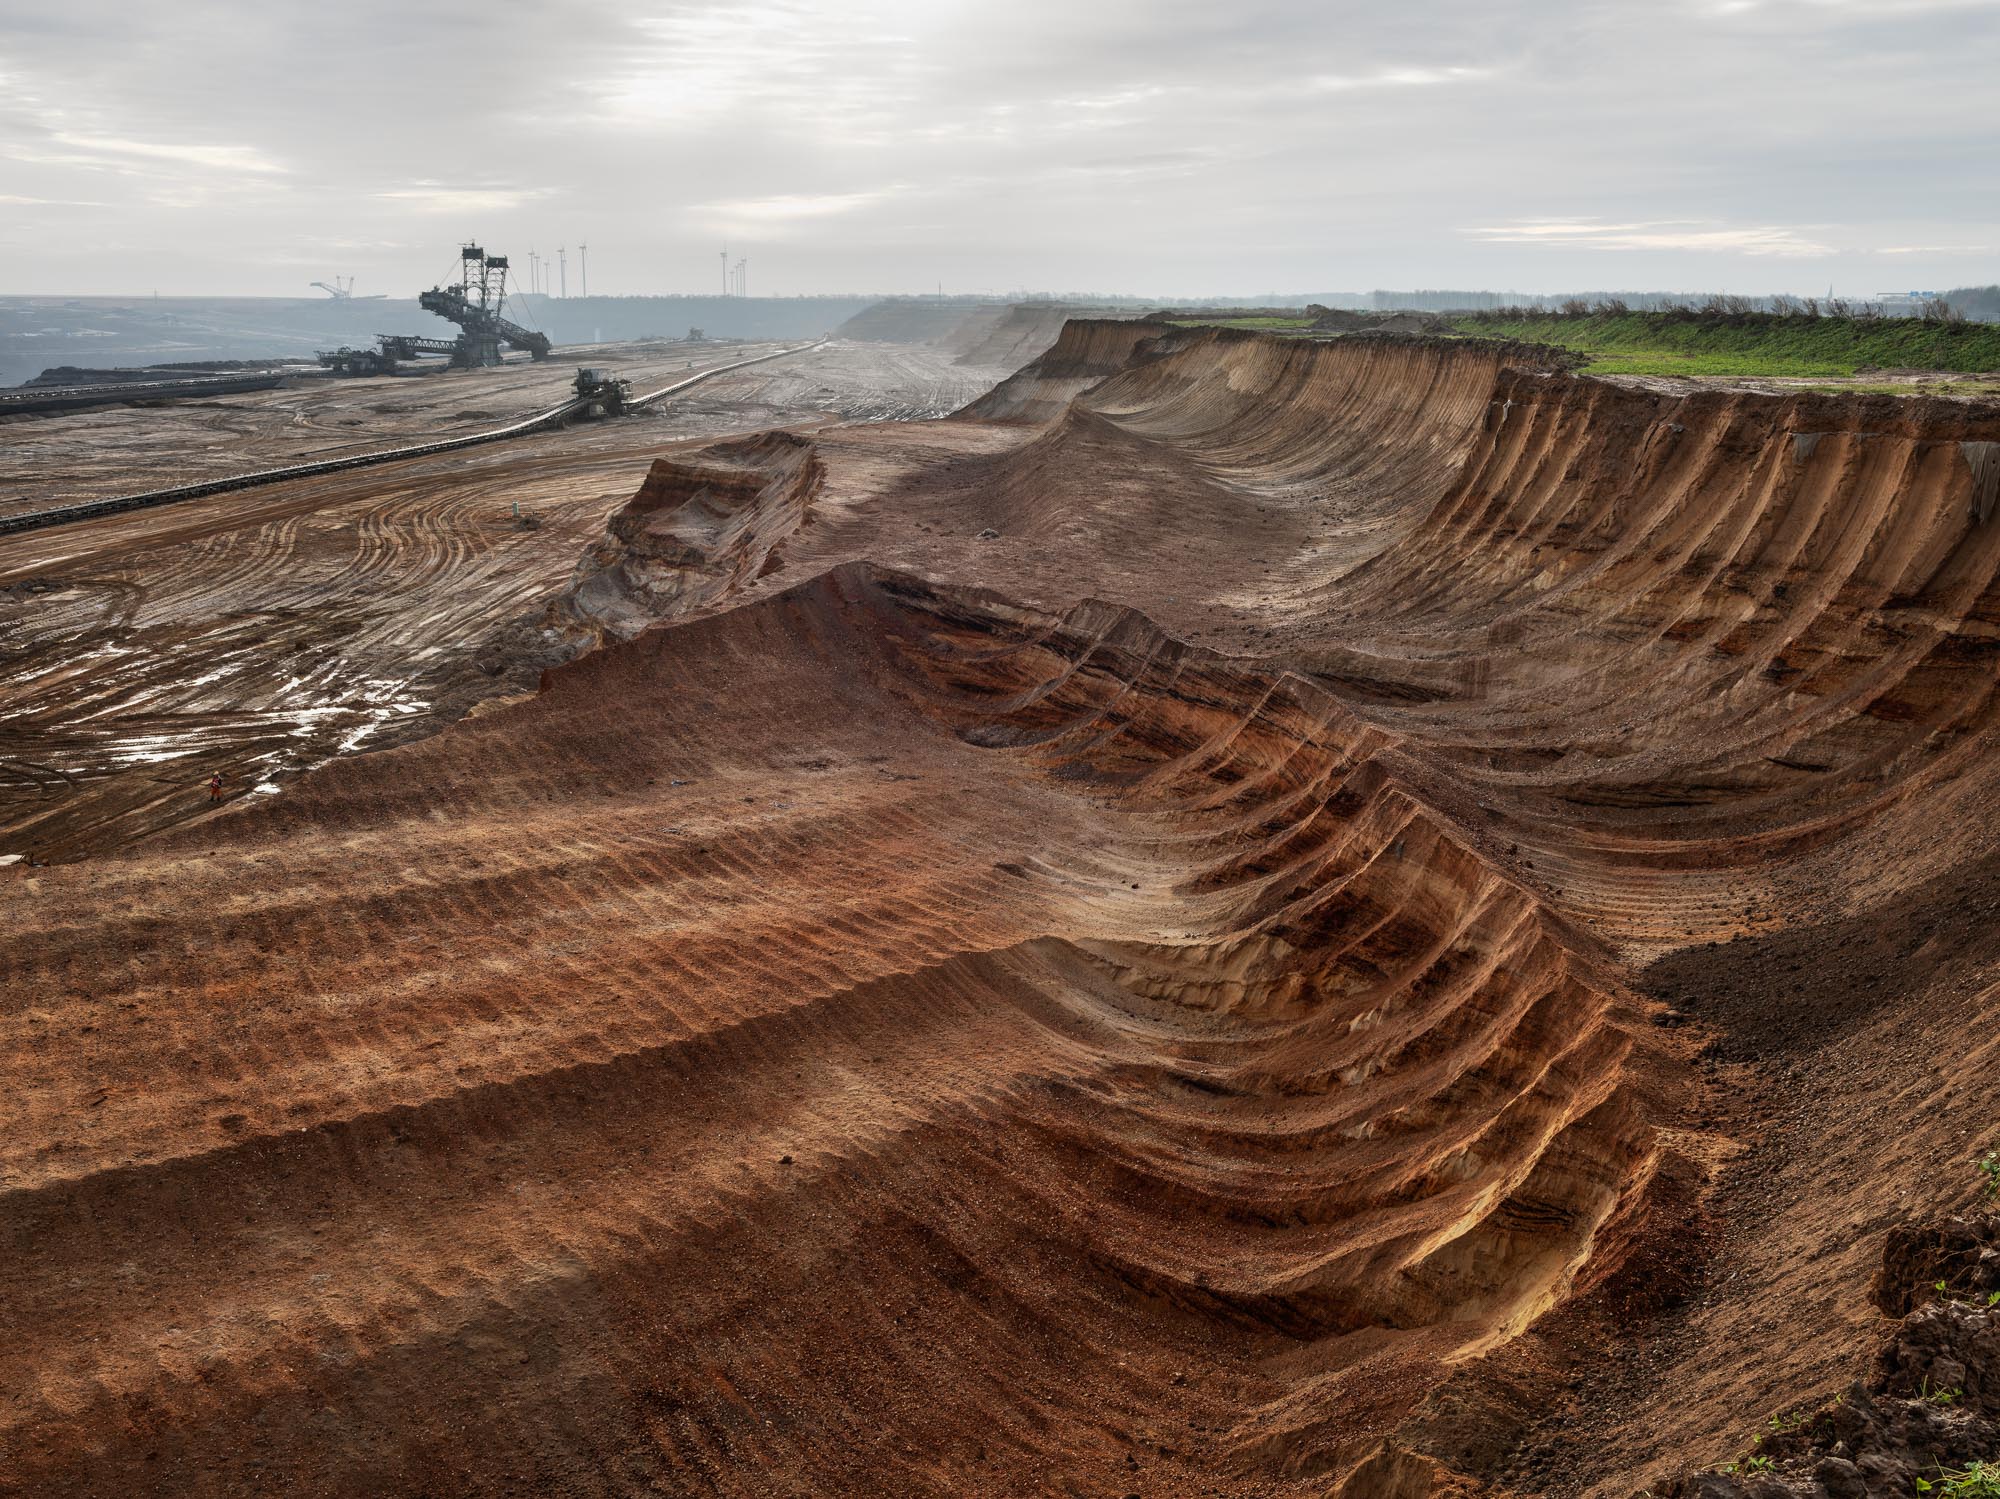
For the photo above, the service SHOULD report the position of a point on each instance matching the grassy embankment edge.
(1652, 343)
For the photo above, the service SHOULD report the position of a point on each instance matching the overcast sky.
(1160, 147)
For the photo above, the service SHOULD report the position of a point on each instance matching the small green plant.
(1974, 1481)
(1989, 1167)
(1791, 1421)
(1757, 1464)
(1939, 1396)
(1993, 1298)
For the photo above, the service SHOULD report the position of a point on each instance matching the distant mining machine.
(392, 352)
(602, 393)
(474, 302)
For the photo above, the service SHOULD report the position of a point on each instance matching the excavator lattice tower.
(475, 302)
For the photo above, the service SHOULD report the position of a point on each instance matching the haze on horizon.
(1171, 147)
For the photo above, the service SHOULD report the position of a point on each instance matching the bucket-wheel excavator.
(474, 302)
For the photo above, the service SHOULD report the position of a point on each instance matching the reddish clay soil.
(1244, 917)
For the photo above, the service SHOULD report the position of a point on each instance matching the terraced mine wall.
(1114, 1112)
(916, 320)
(864, 1028)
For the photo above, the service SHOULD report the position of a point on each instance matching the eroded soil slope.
(1246, 916)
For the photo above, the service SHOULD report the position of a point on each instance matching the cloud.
(17, 200)
(208, 158)
(1169, 147)
(779, 216)
(1663, 235)
(1407, 77)
(1858, 8)
(437, 197)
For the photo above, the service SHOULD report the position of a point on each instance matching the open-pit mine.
(1213, 915)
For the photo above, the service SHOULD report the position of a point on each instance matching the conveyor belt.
(40, 519)
(113, 392)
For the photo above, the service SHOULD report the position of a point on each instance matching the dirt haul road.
(1249, 917)
(262, 632)
(118, 450)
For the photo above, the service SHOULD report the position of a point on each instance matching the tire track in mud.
(555, 417)
(372, 597)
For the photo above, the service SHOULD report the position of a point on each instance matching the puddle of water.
(129, 754)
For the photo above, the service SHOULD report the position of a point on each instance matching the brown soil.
(1925, 1417)
(264, 632)
(1250, 916)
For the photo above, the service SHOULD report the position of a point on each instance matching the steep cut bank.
(1714, 673)
(1086, 352)
(1689, 642)
(1708, 668)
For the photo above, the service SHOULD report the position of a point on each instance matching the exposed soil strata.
(1104, 963)
(697, 530)
(1217, 1013)
(1089, 351)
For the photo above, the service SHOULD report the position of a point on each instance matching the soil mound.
(696, 530)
